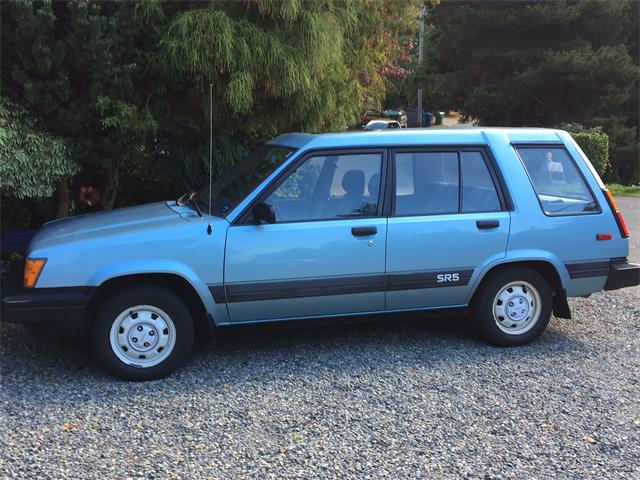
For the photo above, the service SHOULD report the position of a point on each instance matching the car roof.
(415, 136)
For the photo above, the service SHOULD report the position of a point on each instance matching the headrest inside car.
(353, 182)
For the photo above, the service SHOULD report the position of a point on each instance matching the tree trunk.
(63, 198)
(111, 180)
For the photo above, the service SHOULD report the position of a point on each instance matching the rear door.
(325, 254)
(448, 219)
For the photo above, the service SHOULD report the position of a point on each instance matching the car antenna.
(210, 150)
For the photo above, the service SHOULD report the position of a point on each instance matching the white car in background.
(398, 115)
(381, 124)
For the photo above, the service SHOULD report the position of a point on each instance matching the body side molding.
(588, 269)
(343, 285)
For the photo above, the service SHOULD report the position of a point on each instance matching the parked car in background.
(381, 124)
(398, 115)
(502, 223)
(367, 116)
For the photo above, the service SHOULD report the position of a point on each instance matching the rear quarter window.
(560, 187)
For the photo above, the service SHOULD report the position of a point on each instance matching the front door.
(325, 253)
(448, 219)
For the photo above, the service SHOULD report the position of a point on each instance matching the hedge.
(593, 142)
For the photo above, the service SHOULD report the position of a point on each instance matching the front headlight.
(32, 269)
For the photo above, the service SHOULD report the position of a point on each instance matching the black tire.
(482, 306)
(159, 298)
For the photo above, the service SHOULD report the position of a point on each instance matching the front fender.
(162, 266)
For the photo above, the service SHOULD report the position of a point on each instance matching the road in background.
(630, 208)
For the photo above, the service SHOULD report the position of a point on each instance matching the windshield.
(229, 189)
(377, 125)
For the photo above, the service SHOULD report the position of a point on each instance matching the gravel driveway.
(391, 400)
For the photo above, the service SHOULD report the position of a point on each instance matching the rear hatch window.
(560, 187)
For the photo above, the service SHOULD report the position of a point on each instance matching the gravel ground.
(391, 400)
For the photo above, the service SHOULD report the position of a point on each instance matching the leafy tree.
(32, 159)
(623, 148)
(108, 77)
(277, 65)
(188, 167)
(622, 122)
(75, 65)
(531, 63)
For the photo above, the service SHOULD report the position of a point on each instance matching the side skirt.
(453, 311)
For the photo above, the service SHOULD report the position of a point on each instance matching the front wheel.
(513, 307)
(143, 333)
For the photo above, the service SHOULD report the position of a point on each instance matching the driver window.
(301, 184)
(329, 187)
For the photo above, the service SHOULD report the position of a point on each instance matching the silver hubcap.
(143, 336)
(516, 308)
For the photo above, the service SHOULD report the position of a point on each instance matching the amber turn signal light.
(32, 269)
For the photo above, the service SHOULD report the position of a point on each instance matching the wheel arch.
(545, 268)
(171, 281)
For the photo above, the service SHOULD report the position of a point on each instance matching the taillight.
(624, 231)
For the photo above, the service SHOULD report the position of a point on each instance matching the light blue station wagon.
(504, 223)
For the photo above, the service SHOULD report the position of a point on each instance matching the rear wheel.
(143, 333)
(513, 307)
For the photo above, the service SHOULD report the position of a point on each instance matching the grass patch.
(624, 190)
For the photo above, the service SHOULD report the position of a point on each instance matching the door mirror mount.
(263, 213)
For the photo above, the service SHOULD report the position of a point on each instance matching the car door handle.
(487, 224)
(363, 231)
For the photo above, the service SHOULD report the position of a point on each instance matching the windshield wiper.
(189, 199)
(181, 199)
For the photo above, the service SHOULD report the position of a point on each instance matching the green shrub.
(623, 149)
(188, 167)
(624, 190)
(596, 146)
(593, 142)
(32, 159)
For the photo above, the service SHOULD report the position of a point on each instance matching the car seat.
(353, 185)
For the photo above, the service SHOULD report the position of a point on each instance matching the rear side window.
(427, 183)
(557, 182)
(478, 190)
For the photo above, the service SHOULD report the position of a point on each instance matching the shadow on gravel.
(29, 362)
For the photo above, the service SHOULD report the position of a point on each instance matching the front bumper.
(622, 274)
(45, 310)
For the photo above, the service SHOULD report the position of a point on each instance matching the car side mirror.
(264, 213)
